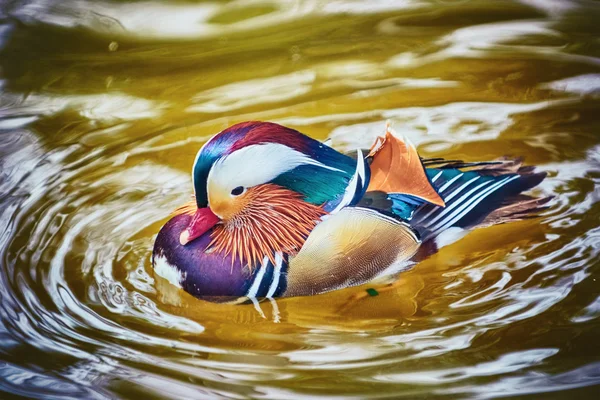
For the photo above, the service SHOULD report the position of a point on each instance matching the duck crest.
(318, 181)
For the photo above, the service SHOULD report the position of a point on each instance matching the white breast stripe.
(457, 203)
(437, 176)
(452, 218)
(258, 280)
(276, 274)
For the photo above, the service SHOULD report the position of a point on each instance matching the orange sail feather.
(397, 168)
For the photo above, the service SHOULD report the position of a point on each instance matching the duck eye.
(237, 191)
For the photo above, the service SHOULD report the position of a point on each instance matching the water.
(104, 105)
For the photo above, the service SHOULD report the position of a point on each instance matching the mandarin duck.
(279, 214)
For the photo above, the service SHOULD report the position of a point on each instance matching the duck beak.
(202, 221)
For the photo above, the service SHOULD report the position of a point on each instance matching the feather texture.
(316, 220)
(397, 168)
(516, 208)
(274, 220)
(347, 249)
(480, 191)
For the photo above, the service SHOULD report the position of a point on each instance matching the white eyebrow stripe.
(257, 164)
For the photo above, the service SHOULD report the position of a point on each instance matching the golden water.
(104, 105)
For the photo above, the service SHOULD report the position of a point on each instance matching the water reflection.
(104, 105)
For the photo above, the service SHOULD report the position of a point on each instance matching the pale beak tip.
(184, 238)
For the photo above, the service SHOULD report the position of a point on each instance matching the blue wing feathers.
(470, 197)
(474, 193)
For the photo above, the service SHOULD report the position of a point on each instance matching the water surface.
(104, 104)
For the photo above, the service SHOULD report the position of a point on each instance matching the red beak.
(202, 221)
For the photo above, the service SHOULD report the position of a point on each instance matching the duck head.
(260, 188)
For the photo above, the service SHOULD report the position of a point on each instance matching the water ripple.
(102, 112)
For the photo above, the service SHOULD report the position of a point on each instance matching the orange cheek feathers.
(228, 207)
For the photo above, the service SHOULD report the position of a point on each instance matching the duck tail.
(516, 208)
(478, 194)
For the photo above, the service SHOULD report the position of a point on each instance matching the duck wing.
(396, 169)
(349, 248)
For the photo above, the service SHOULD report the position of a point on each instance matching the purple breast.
(202, 274)
(211, 275)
